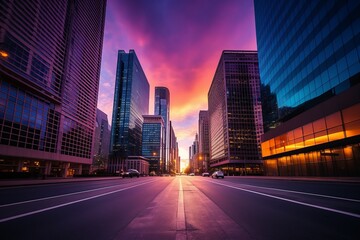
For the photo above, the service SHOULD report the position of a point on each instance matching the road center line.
(180, 217)
(69, 203)
(292, 201)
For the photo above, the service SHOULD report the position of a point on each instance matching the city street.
(182, 207)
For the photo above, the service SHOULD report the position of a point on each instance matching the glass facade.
(131, 102)
(204, 139)
(153, 141)
(235, 116)
(162, 107)
(49, 83)
(308, 55)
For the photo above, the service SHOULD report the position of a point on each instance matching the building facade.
(153, 141)
(101, 146)
(173, 152)
(50, 66)
(162, 107)
(131, 102)
(235, 116)
(309, 61)
(204, 139)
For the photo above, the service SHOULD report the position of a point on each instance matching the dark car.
(131, 173)
(218, 174)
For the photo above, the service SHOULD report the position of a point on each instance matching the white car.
(217, 174)
(206, 174)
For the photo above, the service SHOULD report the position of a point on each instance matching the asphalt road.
(182, 208)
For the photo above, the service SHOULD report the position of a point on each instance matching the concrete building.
(101, 146)
(49, 67)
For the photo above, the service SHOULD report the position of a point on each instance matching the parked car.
(192, 174)
(218, 174)
(206, 174)
(131, 173)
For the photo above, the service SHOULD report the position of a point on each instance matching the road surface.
(182, 207)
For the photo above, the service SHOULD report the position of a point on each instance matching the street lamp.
(3, 54)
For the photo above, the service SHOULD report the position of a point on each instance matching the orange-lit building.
(309, 60)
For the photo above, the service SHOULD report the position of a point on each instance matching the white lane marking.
(180, 217)
(305, 193)
(68, 203)
(292, 201)
(57, 196)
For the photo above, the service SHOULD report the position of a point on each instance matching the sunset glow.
(178, 44)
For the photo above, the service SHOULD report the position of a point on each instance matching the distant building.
(235, 117)
(101, 144)
(309, 59)
(173, 152)
(162, 107)
(153, 141)
(49, 68)
(131, 102)
(139, 163)
(204, 140)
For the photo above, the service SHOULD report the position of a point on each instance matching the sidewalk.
(26, 182)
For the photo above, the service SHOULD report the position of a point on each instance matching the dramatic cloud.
(179, 44)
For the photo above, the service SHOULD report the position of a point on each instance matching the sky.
(178, 44)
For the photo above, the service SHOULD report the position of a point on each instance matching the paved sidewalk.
(25, 182)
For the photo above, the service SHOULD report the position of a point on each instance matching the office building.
(50, 66)
(153, 142)
(173, 152)
(235, 118)
(131, 102)
(309, 61)
(162, 107)
(204, 139)
(101, 145)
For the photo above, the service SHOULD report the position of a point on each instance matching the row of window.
(337, 126)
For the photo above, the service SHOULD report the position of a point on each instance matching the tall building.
(101, 145)
(50, 66)
(235, 117)
(204, 139)
(173, 152)
(131, 102)
(309, 61)
(162, 107)
(153, 141)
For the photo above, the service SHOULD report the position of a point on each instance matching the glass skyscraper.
(131, 102)
(309, 63)
(153, 141)
(162, 107)
(204, 138)
(50, 66)
(235, 117)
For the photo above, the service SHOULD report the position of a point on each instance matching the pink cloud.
(179, 44)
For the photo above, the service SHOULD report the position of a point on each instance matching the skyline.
(178, 48)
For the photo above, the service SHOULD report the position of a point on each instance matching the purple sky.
(179, 44)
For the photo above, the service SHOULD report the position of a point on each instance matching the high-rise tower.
(235, 117)
(309, 60)
(131, 102)
(50, 66)
(162, 107)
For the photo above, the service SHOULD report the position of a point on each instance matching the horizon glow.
(179, 44)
